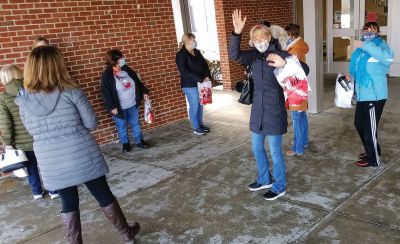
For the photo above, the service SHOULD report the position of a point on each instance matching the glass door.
(344, 25)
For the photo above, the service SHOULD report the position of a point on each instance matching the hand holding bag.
(12, 160)
(293, 81)
(148, 112)
(344, 91)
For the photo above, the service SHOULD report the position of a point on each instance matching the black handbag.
(246, 88)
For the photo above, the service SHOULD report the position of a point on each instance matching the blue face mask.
(122, 62)
(194, 44)
(368, 36)
(290, 40)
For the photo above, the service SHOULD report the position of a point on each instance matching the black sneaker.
(270, 195)
(204, 128)
(126, 147)
(142, 145)
(363, 156)
(199, 131)
(255, 186)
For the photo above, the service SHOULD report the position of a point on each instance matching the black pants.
(98, 188)
(366, 121)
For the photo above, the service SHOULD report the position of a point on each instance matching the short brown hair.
(112, 57)
(45, 71)
(293, 30)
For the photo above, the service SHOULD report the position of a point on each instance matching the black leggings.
(98, 188)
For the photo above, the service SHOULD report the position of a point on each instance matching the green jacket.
(13, 132)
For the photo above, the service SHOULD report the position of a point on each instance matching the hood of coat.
(40, 103)
(13, 87)
(280, 34)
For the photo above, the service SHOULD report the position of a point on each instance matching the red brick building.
(279, 12)
(143, 29)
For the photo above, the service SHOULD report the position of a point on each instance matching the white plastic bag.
(20, 173)
(344, 91)
(13, 159)
(294, 82)
(205, 93)
(148, 112)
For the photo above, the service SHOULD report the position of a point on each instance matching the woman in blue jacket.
(369, 65)
(268, 119)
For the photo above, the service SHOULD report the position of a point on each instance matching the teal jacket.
(372, 86)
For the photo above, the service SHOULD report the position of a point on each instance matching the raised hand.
(238, 22)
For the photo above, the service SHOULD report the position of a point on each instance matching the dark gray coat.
(268, 112)
(60, 122)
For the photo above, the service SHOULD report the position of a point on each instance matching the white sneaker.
(37, 197)
(20, 173)
(54, 195)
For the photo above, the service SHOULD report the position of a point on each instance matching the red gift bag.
(205, 93)
(294, 82)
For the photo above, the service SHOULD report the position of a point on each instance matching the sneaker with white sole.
(270, 195)
(54, 195)
(255, 186)
(199, 131)
(39, 196)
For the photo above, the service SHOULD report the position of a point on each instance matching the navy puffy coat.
(268, 112)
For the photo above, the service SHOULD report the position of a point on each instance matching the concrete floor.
(193, 189)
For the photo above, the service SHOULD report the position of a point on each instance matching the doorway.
(345, 19)
(198, 17)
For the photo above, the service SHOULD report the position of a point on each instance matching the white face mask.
(194, 44)
(262, 46)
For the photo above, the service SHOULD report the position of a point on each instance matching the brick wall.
(84, 30)
(278, 12)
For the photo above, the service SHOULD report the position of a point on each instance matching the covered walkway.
(191, 189)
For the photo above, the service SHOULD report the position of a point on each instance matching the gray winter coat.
(60, 122)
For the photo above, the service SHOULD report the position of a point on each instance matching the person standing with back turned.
(58, 115)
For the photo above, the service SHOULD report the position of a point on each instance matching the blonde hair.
(186, 38)
(10, 72)
(259, 28)
(45, 71)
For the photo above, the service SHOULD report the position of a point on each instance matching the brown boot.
(72, 227)
(115, 215)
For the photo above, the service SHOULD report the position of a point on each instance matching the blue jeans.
(131, 116)
(33, 174)
(195, 109)
(278, 161)
(300, 131)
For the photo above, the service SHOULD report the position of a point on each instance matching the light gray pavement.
(193, 189)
